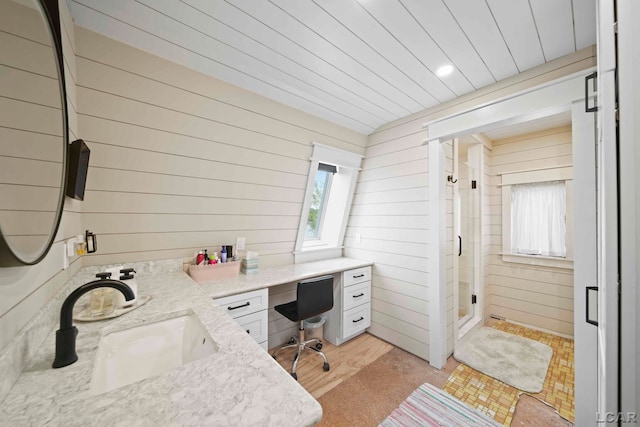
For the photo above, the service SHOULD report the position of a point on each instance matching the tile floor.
(499, 400)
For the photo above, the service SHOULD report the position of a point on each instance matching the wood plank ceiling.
(358, 63)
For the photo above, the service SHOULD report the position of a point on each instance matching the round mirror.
(33, 129)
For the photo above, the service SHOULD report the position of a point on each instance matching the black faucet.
(66, 335)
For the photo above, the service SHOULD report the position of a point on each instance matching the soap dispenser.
(126, 276)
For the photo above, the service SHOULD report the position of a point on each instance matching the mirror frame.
(8, 258)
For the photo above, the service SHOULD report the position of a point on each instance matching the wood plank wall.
(25, 290)
(389, 214)
(181, 161)
(538, 296)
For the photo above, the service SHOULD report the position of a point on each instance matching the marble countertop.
(238, 385)
(273, 276)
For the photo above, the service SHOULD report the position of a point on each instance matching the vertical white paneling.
(437, 21)
(628, 15)
(203, 20)
(404, 28)
(515, 20)
(356, 63)
(236, 74)
(310, 38)
(487, 208)
(450, 248)
(585, 264)
(554, 22)
(359, 33)
(480, 28)
(584, 23)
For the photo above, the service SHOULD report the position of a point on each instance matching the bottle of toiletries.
(200, 258)
(223, 254)
(206, 258)
(214, 259)
(81, 245)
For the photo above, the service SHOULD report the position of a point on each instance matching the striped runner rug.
(430, 406)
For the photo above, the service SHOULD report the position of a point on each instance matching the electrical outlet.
(70, 246)
(65, 259)
(240, 241)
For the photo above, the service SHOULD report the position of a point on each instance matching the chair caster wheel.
(295, 376)
(326, 367)
(319, 346)
(292, 341)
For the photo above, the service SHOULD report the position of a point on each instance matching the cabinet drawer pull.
(246, 304)
(358, 276)
(356, 321)
(359, 295)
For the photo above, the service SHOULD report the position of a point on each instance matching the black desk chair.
(315, 296)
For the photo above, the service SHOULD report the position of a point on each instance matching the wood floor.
(345, 361)
(375, 377)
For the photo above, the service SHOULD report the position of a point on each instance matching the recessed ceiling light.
(445, 70)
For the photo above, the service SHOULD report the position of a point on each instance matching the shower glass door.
(468, 226)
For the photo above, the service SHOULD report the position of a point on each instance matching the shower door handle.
(592, 305)
(459, 245)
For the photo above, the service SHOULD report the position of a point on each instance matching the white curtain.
(538, 219)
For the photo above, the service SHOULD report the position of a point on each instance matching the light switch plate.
(240, 244)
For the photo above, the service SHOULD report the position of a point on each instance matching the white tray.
(85, 314)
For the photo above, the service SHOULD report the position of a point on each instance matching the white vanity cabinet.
(249, 309)
(351, 313)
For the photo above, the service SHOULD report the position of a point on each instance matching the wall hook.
(451, 180)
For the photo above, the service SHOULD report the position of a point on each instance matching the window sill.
(317, 253)
(317, 248)
(542, 261)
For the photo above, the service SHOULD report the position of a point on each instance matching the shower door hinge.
(474, 299)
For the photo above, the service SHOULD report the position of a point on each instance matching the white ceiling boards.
(357, 63)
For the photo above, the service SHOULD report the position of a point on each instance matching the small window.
(330, 186)
(319, 201)
(539, 219)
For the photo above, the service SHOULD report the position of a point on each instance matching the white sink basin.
(144, 351)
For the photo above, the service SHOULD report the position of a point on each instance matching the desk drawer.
(245, 303)
(359, 275)
(355, 320)
(256, 325)
(356, 295)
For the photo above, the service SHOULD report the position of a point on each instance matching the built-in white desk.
(246, 296)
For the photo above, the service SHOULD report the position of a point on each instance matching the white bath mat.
(514, 360)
